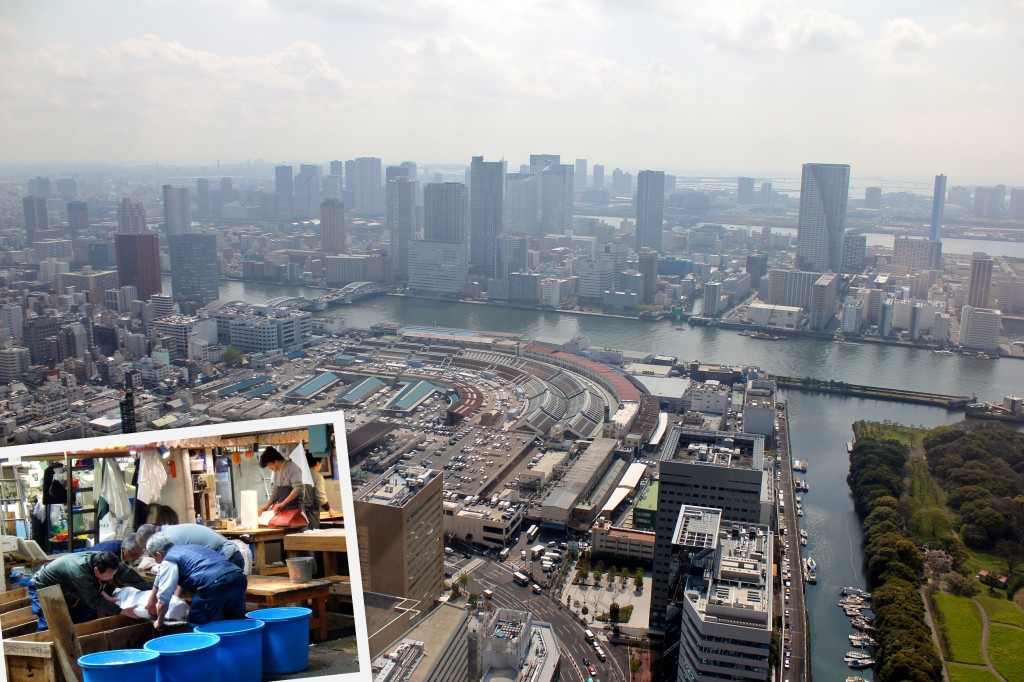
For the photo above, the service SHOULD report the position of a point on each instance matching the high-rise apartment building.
(486, 208)
(365, 176)
(823, 301)
(284, 190)
(745, 191)
(307, 191)
(988, 201)
(938, 206)
(650, 209)
(791, 287)
(647, 264)
(854, 251)
(873, 198)
(980, 284)
(78, 219)
(580, 175)
(176, 210)
(36, 332)
(131, 217)
(556, 192)
(138, 262)
(598, 182)
(36, 219)
(337, 168)
(917, 254)
(821, 226)
(445, 215)
(510, 255)
(757, 267)
(400, 532)
(980, 328)
(195, 272)
(332, 227)
(203, 206)
(520, 204)
(401, 195)
(39, 187)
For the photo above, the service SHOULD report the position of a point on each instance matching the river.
(820, 425)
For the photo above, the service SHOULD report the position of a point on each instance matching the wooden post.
(65, 641)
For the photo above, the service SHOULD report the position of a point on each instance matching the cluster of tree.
(982, 471)
(906, 650)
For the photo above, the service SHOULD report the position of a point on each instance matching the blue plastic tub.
(120, 665)
(285, 638)
(187, 657)
(240, 652)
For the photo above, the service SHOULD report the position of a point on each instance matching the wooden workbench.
(259, 538)
(330, 541)
(275, 590)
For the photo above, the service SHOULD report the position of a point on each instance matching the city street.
(794, 626)
(574, 648)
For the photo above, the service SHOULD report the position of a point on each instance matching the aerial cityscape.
(643, 412)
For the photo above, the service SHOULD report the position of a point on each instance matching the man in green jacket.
(82, 577)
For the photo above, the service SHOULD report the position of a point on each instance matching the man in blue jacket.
(216, 584)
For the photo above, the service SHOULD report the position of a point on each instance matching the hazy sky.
(899, 90)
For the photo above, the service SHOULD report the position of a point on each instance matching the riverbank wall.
(949, 402)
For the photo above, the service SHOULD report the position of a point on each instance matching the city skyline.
(707, 79)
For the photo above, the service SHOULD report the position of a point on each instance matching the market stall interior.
(193, 497)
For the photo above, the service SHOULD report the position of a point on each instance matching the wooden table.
(259, 538)
(274, 590)
(330, 541)
(328, 521)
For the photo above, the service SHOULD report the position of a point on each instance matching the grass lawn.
(879, 431)
(1002, 611)
(960, 674)
(1004, 648)
(961, 628)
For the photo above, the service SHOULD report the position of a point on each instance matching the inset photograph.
(216, 551)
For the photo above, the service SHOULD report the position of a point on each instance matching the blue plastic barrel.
(187, 657)
(285, 638)
(240, 652)
(119, 665)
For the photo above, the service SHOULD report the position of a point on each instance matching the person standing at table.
(289, 492)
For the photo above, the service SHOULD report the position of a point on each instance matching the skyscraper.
(824, 188)
(138, 262)
(401, 194)
(521, 194)
(873, 198)
(366, 183)
(650, 209)
(176, 210)
(580, 175)
(332, 227)
(486, 205)
(444, 212)
(36, 219)
(131, 217)
(307, 191)
(745, 190)
(337, 168)
(980, 284)
(556, 199)
(78, 219)
(938, 205)
(203, 208)
(598, 176)
(284, 182)
(195, 273)
(647, 264)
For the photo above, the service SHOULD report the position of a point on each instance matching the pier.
(949, 402)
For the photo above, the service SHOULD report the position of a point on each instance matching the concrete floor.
(333, 657)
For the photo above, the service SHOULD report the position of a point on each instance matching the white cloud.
(755, 26)
(905, 35)
(969, 30)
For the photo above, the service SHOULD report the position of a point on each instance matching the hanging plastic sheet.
(115, 494)
(152, 477)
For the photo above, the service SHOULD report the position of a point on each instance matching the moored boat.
(860, 663)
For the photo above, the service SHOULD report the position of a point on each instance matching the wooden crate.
(31, 658)
(16, 617)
